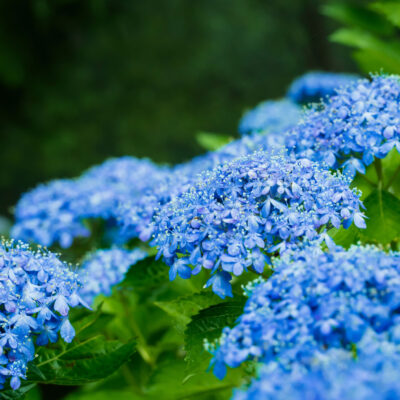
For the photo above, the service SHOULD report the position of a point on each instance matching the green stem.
(393, 178)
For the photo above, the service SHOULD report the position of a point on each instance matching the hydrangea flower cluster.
(336, 375)
(315, 300)
(36, 293)
(353, 127)
(270, 117)
(56, 212)
(136, 213)
(104, 269)
(317, 85)
(239, 212)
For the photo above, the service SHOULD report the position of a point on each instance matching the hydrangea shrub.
(276, 211)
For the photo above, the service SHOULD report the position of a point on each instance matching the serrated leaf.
(383, 223)
(184, 307)
(81, 361)
(146, 274)
(212, 141)
(208, 325)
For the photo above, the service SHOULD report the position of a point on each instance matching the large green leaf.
(358, 16)
(184, 307)
(387, 51)
(88, 358)
(146, 274)
(208, 325)
(81, 362)
(383, 223)
(390, 9)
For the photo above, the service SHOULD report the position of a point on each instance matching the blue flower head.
(335, 375)
(104, 269)
(55, 212)
(37, 291)
(352, 128)
(270, 117)
(315, 301)
(317, 85)
(234, 216)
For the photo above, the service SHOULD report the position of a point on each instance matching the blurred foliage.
(83, 81)
(372, 28)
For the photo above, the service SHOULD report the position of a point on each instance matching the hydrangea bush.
(302, 258)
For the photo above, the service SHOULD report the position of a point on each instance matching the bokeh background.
(81, 81)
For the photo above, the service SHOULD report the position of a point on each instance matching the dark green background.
(84, 80)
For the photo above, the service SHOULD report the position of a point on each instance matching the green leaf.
(208, 325)
(89, 323)
(9, 394)
(88, 358)
(184, 307)
(357, 16)
(104, 395)
(80, 362)
(146, 274)
(383, 223)
(345, 237)
(212, 141)
(374, 53)
(390, 9)
(170, 382)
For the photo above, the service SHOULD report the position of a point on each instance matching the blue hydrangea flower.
(270, 117)
(55, 212)
(332, 376)
(314, 301)
(104, 269)
(353, 127)
(36, 292)
(317, 85)
(135, 213)
(238, 213)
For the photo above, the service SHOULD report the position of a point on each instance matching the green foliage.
(146, 274)
(9, 394)
(183, 308)
(212, 141)
(372, 29)
(88, 358)
(207, 325)
(383, 211)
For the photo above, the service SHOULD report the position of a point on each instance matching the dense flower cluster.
(105, 269)
(36, 293)
(315, 300)
(237, 213)
(136, 213)
(335, 375)
(55, 212)
(353, 127)
(317, 85)
(270, 117)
